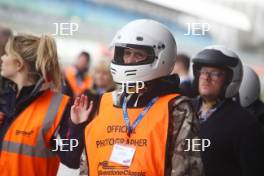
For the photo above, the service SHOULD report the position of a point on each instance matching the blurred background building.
(238, 24)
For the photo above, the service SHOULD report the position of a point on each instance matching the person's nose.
(206, 76)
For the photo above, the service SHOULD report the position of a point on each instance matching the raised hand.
(81, 109)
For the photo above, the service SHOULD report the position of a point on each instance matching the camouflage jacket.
(183, 125)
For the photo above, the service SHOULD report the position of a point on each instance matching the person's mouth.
(205, 86)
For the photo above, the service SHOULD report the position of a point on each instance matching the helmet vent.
(130, 72)
(139, 38)
(113, 71)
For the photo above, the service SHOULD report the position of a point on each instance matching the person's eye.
(140, 55)
(127, 53)
(203, 72)
(216, 74)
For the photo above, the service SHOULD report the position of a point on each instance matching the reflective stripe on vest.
(26, 147)
(149, 138)
(39, 150)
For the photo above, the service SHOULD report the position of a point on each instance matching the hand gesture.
(81, 109)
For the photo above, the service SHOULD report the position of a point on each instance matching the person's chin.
(204, 90)
(205, 93)
(208, 96)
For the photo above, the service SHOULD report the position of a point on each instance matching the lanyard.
(140, 116)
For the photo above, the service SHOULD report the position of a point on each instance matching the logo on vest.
(24, 133)
(105, 168)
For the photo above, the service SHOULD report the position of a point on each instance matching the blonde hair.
(39, 55)
(103, 63)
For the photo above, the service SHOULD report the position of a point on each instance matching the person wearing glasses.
(236, 141)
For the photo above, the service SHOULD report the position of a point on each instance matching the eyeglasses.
(214, 75)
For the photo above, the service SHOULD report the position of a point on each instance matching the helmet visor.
(127, 54)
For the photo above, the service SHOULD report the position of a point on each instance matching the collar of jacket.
(40, 86)
(5, 85)
(197, 103)
(156, 88)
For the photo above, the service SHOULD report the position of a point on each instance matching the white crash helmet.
(220, 56)
(249, 90)
(151, 36)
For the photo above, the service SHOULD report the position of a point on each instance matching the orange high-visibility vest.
(26, 149)
(70, 74)
(149, 138)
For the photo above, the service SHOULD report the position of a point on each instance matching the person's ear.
(19, 65)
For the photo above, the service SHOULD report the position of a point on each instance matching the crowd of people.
(123, 128)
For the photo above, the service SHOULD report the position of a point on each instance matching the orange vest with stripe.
(70, 74)
(149, 138)
(26, 149)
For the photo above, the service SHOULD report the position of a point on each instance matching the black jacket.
(237, 143)
(257, 109)
(4, 89)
